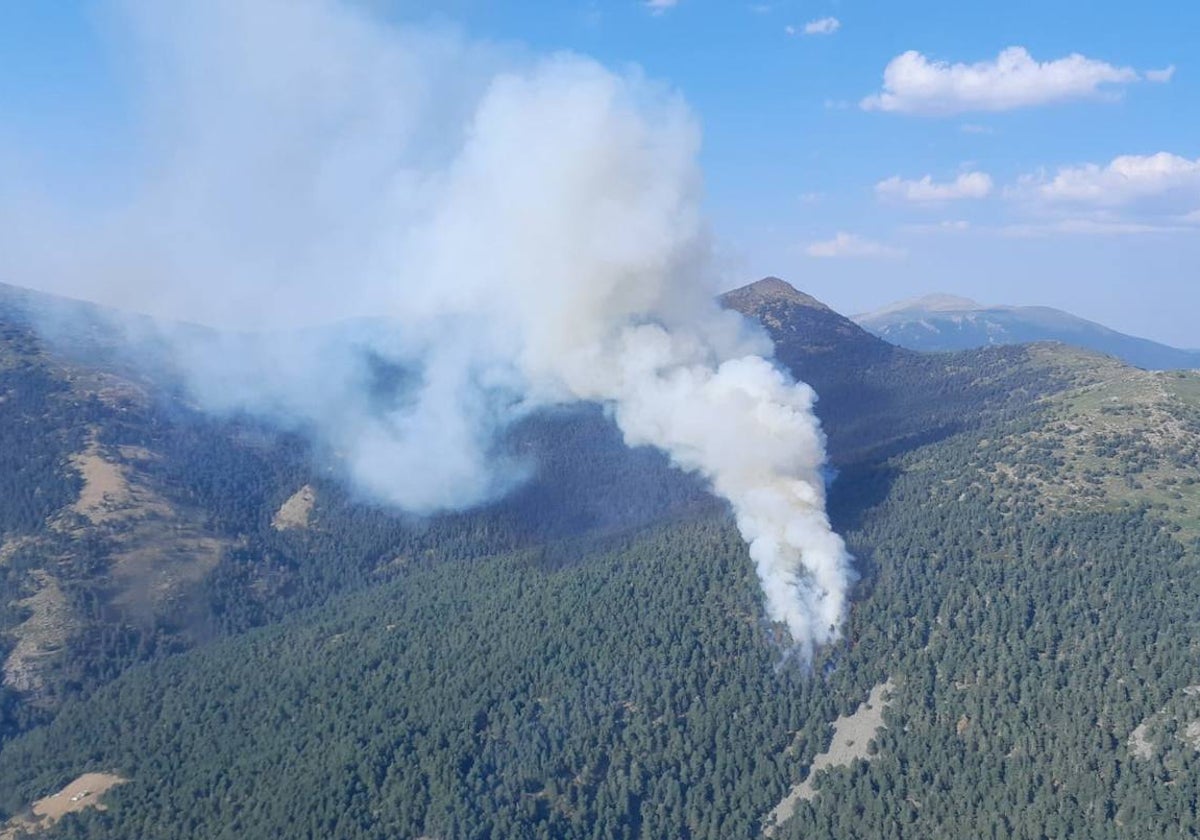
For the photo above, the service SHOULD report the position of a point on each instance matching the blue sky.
(1051, 180)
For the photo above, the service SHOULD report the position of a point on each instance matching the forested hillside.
(588, 658)
(134, 526)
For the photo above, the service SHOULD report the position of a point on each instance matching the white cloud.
(1131, 194)
(1162, 178)
(944, 226)
(1163, 75)
(1085, 227)
(926, 190)
(913, 83)
(974, 128)
(851, 245)
(660, 6)
(823, 26)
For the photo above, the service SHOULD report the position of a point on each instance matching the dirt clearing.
(104, 486)
(84, 792)
(296, 511)
(851, 734)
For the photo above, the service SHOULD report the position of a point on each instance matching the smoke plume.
(523, 231)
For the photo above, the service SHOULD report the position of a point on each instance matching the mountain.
(785, 311)
(589, 658)
(946, 322)
(875, 397)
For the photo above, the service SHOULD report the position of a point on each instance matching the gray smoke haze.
(524, 231)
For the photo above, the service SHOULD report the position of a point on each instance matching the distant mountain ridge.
(947, 322)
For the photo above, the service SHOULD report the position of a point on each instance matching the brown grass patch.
(40, 636)
(851, 735)
(297, 510)
(84, 792)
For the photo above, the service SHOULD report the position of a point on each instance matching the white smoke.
(525, 231)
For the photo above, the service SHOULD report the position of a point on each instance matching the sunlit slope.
(1115, 438)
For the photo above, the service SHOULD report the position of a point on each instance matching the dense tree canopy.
(588, 658)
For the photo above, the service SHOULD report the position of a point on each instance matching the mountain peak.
(767, 291)
(810, 339)
(941, 302)
(937, 302)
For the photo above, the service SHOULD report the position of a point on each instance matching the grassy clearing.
(1118, 436)
(83, 792)
(852, 735)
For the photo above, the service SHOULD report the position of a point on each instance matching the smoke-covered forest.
(591, 657)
